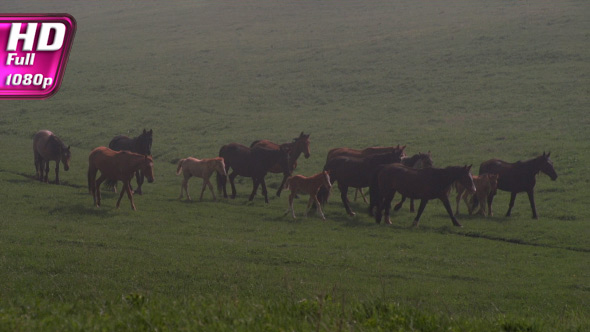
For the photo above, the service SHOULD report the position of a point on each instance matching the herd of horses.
(384, 170)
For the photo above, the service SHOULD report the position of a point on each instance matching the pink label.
(34, 51)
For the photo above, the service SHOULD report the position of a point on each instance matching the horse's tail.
(179, 169)
(324, 193)
(221, 180)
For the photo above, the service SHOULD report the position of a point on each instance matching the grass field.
(466, 80)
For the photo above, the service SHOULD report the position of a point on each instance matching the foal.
(485, 185)
(300, 184)
(202, 169)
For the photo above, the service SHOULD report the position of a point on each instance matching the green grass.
(468, 81)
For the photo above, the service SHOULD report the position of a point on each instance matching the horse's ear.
(301, 135)
(69, 147)
(548, 154)
(151, 131)
(468, 167)
(429, 152)
(403, 147)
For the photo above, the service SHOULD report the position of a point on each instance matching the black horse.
(141, 144)
(518, 177)
(251, 162)
(355, 172)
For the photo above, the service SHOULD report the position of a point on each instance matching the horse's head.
(466, 179)
(301, 144)
(547, 166)
(398, 153)
(147, 168)
(493, 182)
(402, 149)
(326, 179)
(65, 156)
(284, 160)
(144, 142)
(424, 160)
(220, 166)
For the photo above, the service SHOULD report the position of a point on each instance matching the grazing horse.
(297, 147)
(356, 173)
(141, 144)
(424, 184)
(251, 162)
(117, 166)
(200, 168)
(48, 147)
(518, 177)
(300, 184)
(485, 185)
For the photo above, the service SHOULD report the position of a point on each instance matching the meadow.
(466, 80)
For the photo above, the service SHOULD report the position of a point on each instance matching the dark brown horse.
(356, 173)
(254, 163)
(141, 144)
(297, 147)
(48, 147)
(424, 184)
(518, 177)
(117, 166)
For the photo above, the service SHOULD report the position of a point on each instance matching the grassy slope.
(468, 81)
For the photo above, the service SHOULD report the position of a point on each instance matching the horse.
(424, 184)
(356, 173)
(485, 185)
(251, 162)
(117, 166)
(518, 177)
(297, 147)
(200, 168)
(48, 147)
(300, 184)
(348, 152)
(141, 144)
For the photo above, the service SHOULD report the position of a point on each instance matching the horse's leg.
(360, 190)
(399, 205)
(232, 176)
(387, 202)
(512, 198)
(211, 188)
(264, 192)
(490, 200)
(482, 205)
(319, 207)
(123, 190)
(37, 165)
(344, 196)
(203, 189)
(420, 210)
(458, 200)
(98, 182)
(46, 179)
(445, 200)
(255, 184)
(532, 200)
(57, 172)
(291, 196)
(411, 205)
(139, 177)
(285, 177)
(309, 204)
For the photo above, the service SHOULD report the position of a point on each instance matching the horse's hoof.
(352, 214)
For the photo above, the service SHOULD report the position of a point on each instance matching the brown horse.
(297, 147)
(518, 177)
(348, 152)
(48, 147)
(202, 169)
(300, 184)
(118, 166)
(251, 162)
(424, 184)
(485, 185)
(355, 173)
(141, 144)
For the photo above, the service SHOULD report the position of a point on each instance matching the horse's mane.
(57, 140)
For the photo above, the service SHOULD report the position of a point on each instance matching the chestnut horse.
(297, 147)
(117, 166)
(251, 162)
(485, 185)
(48, 147)
(300, 184)
(202, 169)
(424, 184)
(356, 173)
(518, 177)
(141, 144)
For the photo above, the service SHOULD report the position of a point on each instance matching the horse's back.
(40, 144)
(265, 144)
(120, 142)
